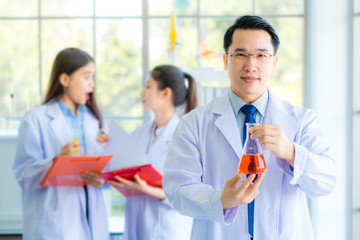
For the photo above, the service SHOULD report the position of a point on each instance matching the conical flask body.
(252, 160)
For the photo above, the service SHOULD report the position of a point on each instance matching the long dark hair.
(169, 76)
(68, 61)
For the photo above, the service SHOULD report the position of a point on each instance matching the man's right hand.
(233, 195)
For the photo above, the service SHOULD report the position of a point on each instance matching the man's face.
(249, 76)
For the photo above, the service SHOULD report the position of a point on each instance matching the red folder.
(146, 172)
(66, 170)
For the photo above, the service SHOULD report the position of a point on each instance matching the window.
(127, 39)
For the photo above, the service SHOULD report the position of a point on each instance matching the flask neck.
(248, 126)
(251, 146)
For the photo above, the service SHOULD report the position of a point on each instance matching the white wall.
(10, 193)
(328, 91)
(356, 130)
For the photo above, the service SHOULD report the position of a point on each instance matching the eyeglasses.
(259, 57)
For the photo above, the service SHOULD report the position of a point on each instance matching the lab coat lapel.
(90, 128)
(157, 146)
(226, 123)
(162, 141)
(278, 113)
(58, 123)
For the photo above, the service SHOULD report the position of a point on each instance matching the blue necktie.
(249, 111)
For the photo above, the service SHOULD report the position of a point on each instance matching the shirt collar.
(81, 109)
(260, 103)
(161, 129)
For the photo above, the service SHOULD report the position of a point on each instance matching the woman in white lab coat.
(150, 216)
(69, 111)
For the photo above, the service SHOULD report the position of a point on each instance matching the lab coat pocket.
(45, 225)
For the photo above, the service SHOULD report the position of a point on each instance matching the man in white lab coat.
(201, 176)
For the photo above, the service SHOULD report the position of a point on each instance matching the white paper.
(123, 148)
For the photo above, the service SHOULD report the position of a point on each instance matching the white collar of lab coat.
(278, 112)
(58, 123)
(168, 131)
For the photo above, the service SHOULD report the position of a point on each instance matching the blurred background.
(319, 62)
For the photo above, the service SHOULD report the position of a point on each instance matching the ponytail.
(169, 76)
(191, 97)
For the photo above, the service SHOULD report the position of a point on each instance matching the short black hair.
(252, 23)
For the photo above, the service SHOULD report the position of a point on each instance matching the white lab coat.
(146, 217)
(205, 152)
(55, 212)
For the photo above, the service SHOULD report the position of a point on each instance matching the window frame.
(145, 18)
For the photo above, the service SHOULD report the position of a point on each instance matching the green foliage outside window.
(117, 39)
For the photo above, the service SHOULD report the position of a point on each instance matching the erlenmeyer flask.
(252, 159)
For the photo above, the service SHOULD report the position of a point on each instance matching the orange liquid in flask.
(252, 164)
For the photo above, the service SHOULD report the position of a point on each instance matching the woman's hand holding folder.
(93, 179)
(139, 185)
